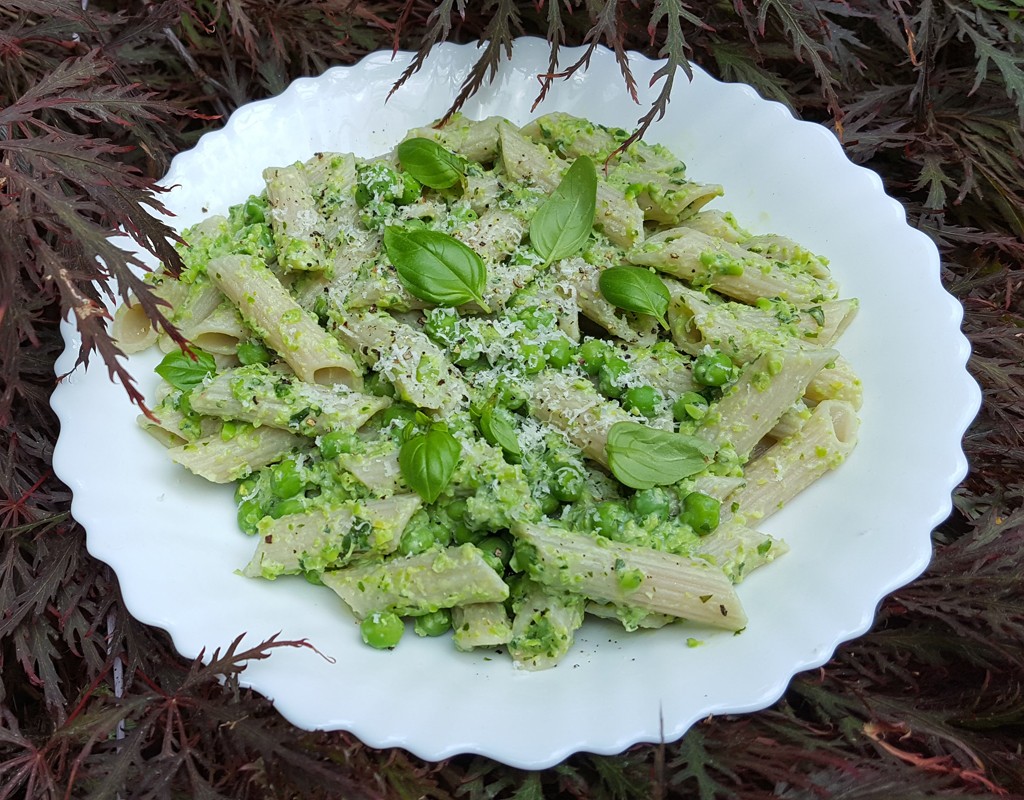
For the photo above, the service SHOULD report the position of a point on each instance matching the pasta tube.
(737, 550)
(766, 388)
(328, 538)
(544, 624)
(268, 308)
(419, 584)
(719, 224)
(219, 332)
(480, 625)
(405, 356)
(793, 464)
(743, 331)
(727, 268)
(573, 406)
(263, 396)
(636, 576)
(647, 172)
(477, 141)
(222, 460)
(583, 277)
(837, 381)
(295, 219)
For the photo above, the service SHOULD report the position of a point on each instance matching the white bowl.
(858, 534)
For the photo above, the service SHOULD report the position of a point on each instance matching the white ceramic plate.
(860, 533)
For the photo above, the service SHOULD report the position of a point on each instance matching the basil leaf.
(635, 289)
(428, 461)
(499, 430)
(430, 164)
(565, 220)
(642, 457)
(435, 267)
(184, 372)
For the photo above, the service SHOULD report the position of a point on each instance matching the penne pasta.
(329, 538)
(294, 334)
(543, 625)
(419, 584)
(416, 366)
(261, 396)
(654, 581)
(295, 219)
(222, 459)
(767, 387)
(794, 463)
(704, 260)
(480, 625)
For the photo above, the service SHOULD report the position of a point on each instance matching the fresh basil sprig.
(431, 164)
(642, 457)
(564, 221)
(435, 267)
(636, 289)
(183, 371)
(428, 460)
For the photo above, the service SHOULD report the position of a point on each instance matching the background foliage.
(94, 102)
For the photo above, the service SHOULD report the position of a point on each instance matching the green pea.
(245, 488)
(322, 308)
(411, 189)
(714, 369)
(363, 195)
(701, 512)
(497, 552)
(229, 430)
(456, 508)
(382, 629)
(629, 580)
(567, 483)
(252, 212)
(378, 386)
(592, 355)
(335, 443)
(285, 480)
(689, 406)
(609, 375)
(655, 501)
(642, 399)
(609, 517)
(511, 394)
(468, 359)
(378, 181)
(466, 351)
(250, 512)
(252, 352)
(442, 324)
(416, 539)
(435, 623)
(534, 318)
(463, 534)
(547, 503)
(403, 412)
(265, 241)
(532, 357)
(559, 352)
(293, 505)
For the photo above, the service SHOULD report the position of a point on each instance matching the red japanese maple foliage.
(97, 97)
